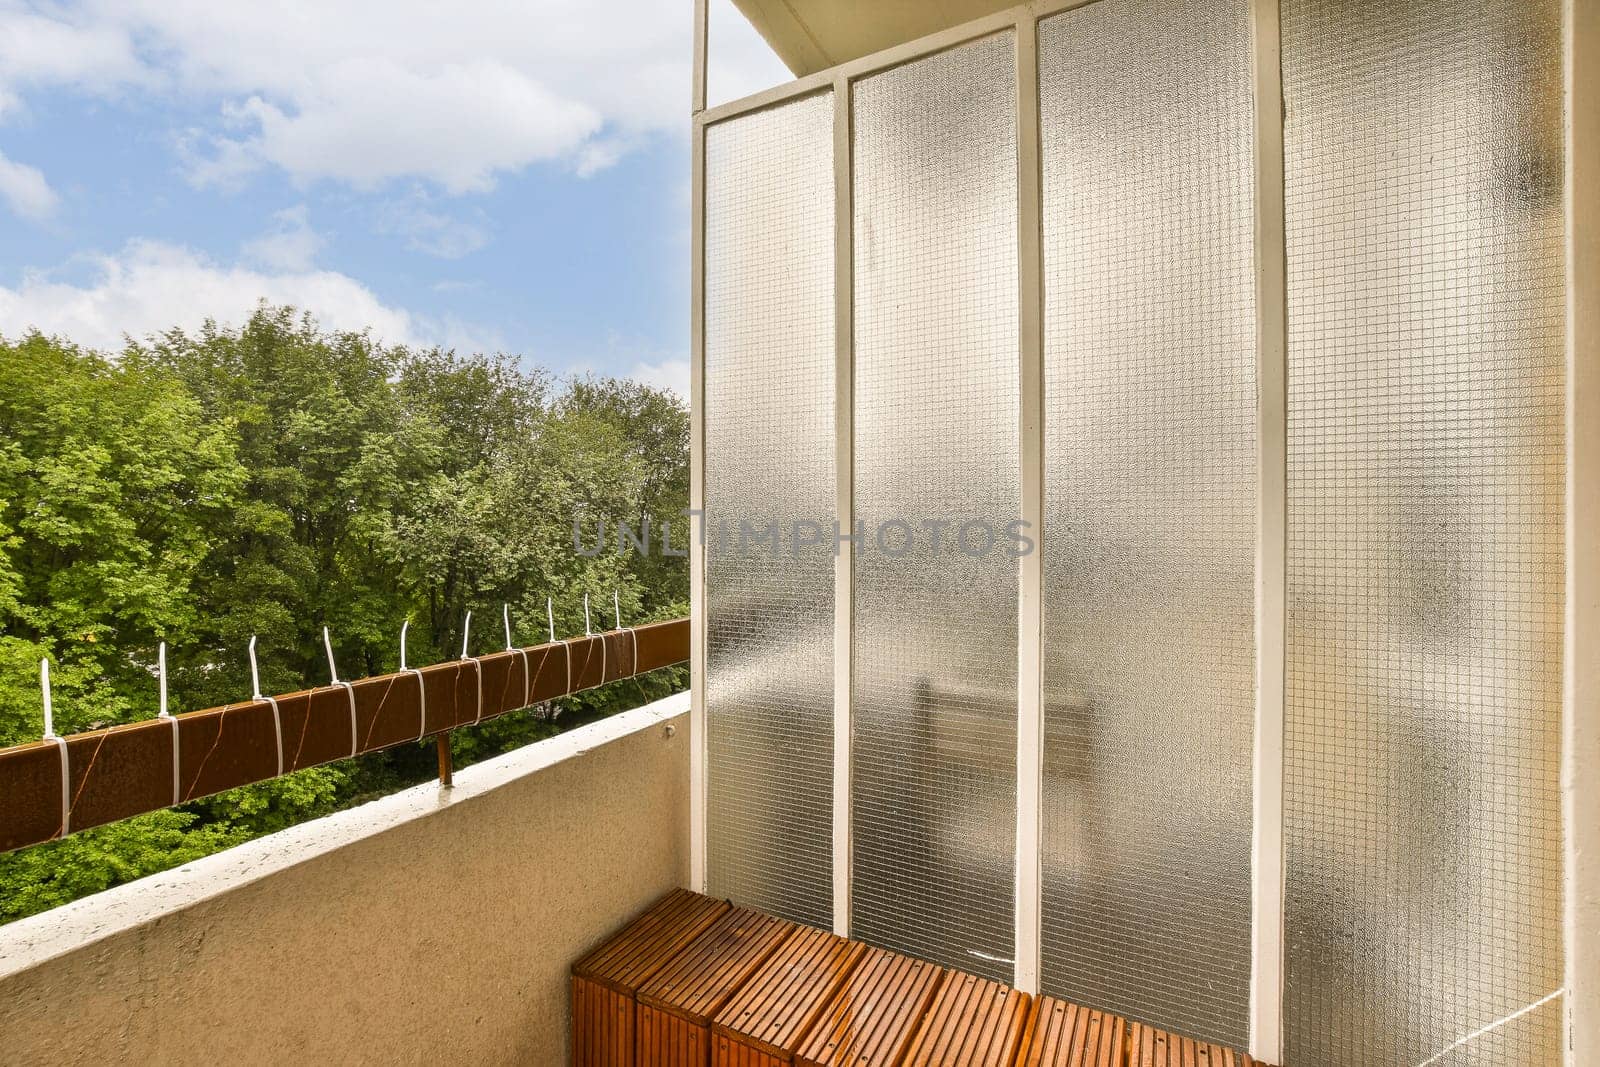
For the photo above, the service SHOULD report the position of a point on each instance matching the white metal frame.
(697, 461)
(1581, 762)
(844, 495)
(1581, 682)
(1272, 446)
(1030, 571)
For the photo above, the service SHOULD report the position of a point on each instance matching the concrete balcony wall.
(432, 925)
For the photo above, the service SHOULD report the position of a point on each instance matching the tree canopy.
(277, 478)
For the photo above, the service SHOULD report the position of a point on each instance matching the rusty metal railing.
(53, 787)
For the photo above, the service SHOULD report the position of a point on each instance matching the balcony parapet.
(429, 925)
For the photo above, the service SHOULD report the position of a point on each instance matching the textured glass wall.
(1150, 476)
(769, 333)
(1423, 830)
(935, 682)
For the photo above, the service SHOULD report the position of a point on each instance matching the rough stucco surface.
(429, 925)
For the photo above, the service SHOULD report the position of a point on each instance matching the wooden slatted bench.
(695, 982)
(1061, 1034)
(606, 982)
(764, 1023)
(676, 1005)
(973, 1022)
(871, 1021)
(1149, 1047)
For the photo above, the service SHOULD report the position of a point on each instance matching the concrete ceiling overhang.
(812, 35)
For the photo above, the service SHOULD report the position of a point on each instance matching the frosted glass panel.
(935, 685)
(1423, 830)
(1149, 510)
(769, 460)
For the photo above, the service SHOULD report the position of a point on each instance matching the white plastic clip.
(527, 682)
(350, 691)
(550, 611)
(422, 690)
(255, 683)
(466, 633)
(616, 605)
(61, 745)
(161, 670)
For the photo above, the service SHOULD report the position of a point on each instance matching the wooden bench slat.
(648, 943)
(706, 974)
(695, 982)
(1063, 1034)
(1152, 1047)
(781, 1001)
(675, 1006)
(973, 1022)
(605, 1014)
(871, 1020)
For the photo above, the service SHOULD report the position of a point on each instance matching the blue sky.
(488, 174)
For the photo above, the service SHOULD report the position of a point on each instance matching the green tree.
(320, 436)
(277, 478)
(654, 436)
(114, 487)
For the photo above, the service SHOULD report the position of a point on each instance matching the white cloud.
(458, 334)
(663, 367)
(671, 374)
(597, 155)
(433, 232)
(368, 91)
(370, 121)
(75, 49)
(291, 245)
(25, 190)
(150, 286)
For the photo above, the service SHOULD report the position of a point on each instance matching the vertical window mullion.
(1266, 984)
(844, 471)
(1030, 702)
